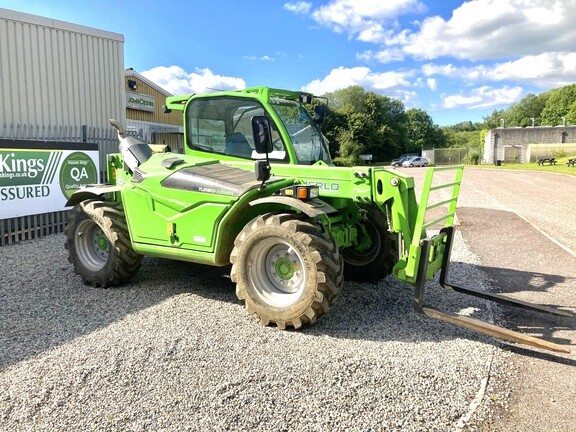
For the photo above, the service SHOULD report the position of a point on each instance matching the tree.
(494, 120)
(530, 107)
(365, 122)
(422, 132)
(559, 104)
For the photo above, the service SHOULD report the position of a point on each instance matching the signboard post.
(38, 177)
(366, 158)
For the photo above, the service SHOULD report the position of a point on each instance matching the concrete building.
(523, 145)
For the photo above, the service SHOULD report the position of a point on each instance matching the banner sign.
(38, 177)
(140, 102)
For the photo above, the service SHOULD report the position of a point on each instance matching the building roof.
(58, 25)
(131, 72)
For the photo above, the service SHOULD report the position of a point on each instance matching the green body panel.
(200, 226)
(187, 225)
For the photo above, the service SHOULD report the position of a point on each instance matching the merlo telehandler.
(256, 188)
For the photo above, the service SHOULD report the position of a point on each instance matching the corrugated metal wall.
(59, 81)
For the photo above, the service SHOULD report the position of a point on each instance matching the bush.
(344, 161)
(558, 154)
(472, 159)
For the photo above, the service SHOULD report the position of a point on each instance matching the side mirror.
(262, 136)
(319, 114)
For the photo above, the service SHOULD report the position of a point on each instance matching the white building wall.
(59, 81)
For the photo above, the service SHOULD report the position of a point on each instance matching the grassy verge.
(560, 167)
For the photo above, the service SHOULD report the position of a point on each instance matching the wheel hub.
(285, 268)
(278, 273)
(92, 246)
(100, 243)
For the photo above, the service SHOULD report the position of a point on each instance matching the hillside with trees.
(364, 122)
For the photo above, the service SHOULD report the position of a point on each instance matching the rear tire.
(376, 261)
(287, 271)
(98, 244)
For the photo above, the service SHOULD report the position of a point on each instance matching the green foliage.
(558, 154)
(422, 132)
(530, 107)
(472, 158)
(361, 122)
(547, 108)
(560, 103)
(494, 120)
(345, 162)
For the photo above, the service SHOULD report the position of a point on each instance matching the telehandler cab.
(257, 189)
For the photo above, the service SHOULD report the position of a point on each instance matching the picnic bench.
(550, 161)
(571, 162)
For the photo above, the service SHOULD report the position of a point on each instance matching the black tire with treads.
(375, 262)
(98, 244)
(286, 269)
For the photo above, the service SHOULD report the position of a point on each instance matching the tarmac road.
(522, 227)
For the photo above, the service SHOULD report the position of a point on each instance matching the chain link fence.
(453, 156)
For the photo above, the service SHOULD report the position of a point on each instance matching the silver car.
(416, 161)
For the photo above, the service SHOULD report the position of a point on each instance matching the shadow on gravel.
(45, 305)
(523, 285)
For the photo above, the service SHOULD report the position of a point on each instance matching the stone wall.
(522, 144)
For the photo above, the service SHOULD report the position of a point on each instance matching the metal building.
(60, 83)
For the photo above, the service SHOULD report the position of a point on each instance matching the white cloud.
(484, 97)
(177, 81)
(488, 29)
(364, 19)
(432, 84)
(384, 56)
(477, 29)
(263, 58)
(393, 84)
(546, 70)
(344, 77)
(299, 7)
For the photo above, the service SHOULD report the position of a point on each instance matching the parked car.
(416, 161)
(398, 161)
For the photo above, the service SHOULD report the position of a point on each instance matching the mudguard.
(313, 208)
(91, 191)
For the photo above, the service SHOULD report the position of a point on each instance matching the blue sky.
(457, 60)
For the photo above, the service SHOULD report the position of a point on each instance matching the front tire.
(376, 257)
(287, 271)
(98, 244)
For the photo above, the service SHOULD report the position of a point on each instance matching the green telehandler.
(256, 188)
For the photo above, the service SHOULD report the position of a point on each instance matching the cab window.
(223, 125)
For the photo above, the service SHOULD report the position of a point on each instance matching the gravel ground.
(175, 350)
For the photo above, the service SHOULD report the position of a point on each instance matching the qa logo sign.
(76, 171)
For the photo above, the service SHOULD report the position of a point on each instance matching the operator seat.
(237, 145)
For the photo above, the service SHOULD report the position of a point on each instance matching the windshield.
(308, 142)
(223, 125)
